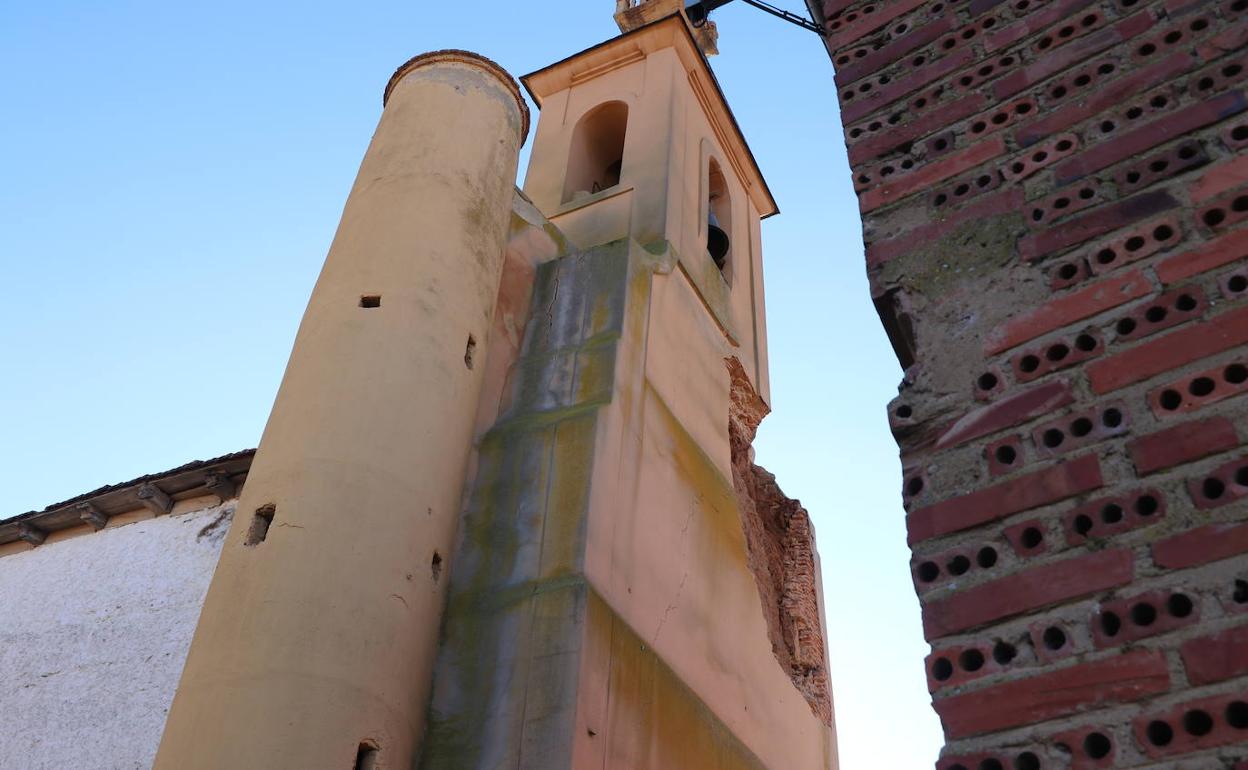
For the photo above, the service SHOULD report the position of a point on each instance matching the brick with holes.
(1198, 390)
(1026, 591)
(1048, 485)
(1122, 678)
(1109, 516)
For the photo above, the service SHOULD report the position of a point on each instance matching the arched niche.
(595, 158)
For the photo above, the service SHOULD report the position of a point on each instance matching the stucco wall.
(93, 634)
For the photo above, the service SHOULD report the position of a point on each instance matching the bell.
(717, 242)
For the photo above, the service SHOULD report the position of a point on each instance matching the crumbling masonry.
(1054, 196)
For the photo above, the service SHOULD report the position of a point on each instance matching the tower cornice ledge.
(458, 56)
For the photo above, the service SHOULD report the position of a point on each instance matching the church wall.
(1054, 196)
(94, 629)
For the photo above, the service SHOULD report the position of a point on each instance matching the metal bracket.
(697, 13)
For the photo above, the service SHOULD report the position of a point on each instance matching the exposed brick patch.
(781, 553)
(1042, 487)
(1026, 591)
(1119, 679)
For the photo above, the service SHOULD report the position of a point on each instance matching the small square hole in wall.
(260, 524)
(366, 757)
(370, 300)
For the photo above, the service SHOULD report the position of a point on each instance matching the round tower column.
(317, 638)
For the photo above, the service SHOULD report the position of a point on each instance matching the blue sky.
(173, 174)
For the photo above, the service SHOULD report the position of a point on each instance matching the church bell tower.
(620, 597)
(504, 514)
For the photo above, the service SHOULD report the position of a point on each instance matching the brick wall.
(1054, 197)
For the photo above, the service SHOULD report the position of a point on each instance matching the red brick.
(1110, 516)
(1070, 55)
(1165, 128)
(892, 51)
(1216, 658)
(1027, 591)
(1170, 351)
(832, 6)
(1104, 98)
(1203, 545)
(959, 674)
(1098, 222)
(931, 173)
(883, 96)
(908, 132)
(1034, 22)
(1123, 611)
(987, 206)
(1182, 444)
(870, 22)
(1119, 679)
(1190, 391)
(1229, 40)
(1221, 251)
(1220, 179)
(1041, 487)
(1019, 407)
(1085, 303)
(1184, 741)
(979, 6)
(1221, 486)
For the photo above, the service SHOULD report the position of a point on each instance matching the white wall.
(93, 635)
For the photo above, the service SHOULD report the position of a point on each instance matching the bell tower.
(628, 590)
(636, 141)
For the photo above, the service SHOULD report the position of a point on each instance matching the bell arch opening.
(596, 156)
(719, 219)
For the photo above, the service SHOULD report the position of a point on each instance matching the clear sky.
(171, 175)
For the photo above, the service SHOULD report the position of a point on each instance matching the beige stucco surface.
(322, 636)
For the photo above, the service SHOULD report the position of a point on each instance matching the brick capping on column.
(1054, 196)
